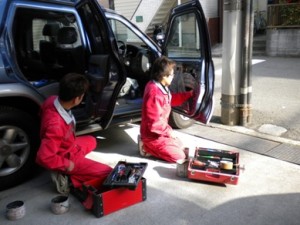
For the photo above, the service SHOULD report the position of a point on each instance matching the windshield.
(123, 33)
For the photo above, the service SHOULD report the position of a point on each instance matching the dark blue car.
(42, 40)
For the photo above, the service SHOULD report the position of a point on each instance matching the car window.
(123, 33)
(37, 33)
(48, 43)
(94, 27)
(184, 40)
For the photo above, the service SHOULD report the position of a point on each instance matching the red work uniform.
(59, 145)
(155, 130)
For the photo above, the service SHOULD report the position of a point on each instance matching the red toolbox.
(213, 165)
(125, 186)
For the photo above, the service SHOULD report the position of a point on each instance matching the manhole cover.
(272, 129)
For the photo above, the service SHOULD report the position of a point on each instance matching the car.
(42, 40)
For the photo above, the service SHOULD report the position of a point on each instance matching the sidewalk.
(250, 140)
(266, 144)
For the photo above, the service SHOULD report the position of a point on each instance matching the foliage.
(290, 13)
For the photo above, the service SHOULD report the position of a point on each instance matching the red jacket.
(157, 102)
(58, 144)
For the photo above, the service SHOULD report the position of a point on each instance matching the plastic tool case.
(125, 186)
(214, 165)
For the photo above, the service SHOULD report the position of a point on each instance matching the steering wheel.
(122, 48)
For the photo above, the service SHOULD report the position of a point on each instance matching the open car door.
(104, 70)
(187, 42)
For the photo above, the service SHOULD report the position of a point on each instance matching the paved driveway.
(268, 191)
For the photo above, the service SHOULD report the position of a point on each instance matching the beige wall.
(104, 3)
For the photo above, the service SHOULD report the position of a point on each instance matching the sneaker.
(141, 150)
(61, 182)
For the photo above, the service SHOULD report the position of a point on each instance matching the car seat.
(47, 47)
(69, 52)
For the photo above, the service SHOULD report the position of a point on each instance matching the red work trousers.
(86, 169)
(167, 148)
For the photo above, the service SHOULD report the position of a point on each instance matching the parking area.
(267, 193)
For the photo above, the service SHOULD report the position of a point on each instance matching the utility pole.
(236, 62)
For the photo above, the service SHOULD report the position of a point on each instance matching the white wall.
(147, 10)
(126, 7)
(210, 8)
(104, 3)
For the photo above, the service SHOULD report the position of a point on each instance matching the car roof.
(64, 2)
(4, 4)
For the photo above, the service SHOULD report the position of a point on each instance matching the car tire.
(19, 141)
(178, 121)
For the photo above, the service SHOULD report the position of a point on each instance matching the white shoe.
(61, 182)
(141, 149)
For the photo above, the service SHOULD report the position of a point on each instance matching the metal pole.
(246, 88)
(250, 54)
(231, 61)
(179, 29)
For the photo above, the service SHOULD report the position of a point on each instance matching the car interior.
(48, 45)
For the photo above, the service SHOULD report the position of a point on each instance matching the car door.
(104, 69)
(187, 42)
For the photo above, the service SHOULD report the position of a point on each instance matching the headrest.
(50, 29)
(67, 35)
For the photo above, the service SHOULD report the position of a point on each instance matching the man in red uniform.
(157, 136)
(60, 150)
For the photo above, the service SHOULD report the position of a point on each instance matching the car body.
(42, 40)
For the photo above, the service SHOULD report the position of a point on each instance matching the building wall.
(146, 11)
(210, 8)
(283, 42)
(104, 3)
(126, 7)
(260, 5)
(211, 11)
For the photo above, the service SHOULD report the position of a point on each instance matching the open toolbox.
(214, 165)
(125, 174)
(123, 187)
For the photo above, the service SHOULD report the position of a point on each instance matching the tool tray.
(125, 174)
(206, 166)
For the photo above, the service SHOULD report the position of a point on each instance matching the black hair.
(72, 85)
(162, 66)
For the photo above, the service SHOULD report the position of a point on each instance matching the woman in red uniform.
(60, 150)
(157, 136)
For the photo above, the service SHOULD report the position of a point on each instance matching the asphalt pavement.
(267, 192)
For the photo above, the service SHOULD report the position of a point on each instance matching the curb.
(246, 131)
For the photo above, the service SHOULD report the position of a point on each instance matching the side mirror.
(159, 38)
(158, 35)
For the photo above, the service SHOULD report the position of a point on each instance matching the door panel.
(110, 75)
(187, 42)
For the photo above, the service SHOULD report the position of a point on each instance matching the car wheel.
(19, 141)
(178, 121)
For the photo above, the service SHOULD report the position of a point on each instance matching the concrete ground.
(268, 191)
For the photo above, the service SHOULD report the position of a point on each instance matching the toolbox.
(213, 165)
(125, 175)
(124, 186)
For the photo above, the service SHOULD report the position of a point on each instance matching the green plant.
(290, 13)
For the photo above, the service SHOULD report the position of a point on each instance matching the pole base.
(230, 113)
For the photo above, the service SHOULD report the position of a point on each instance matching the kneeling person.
(60, 150)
